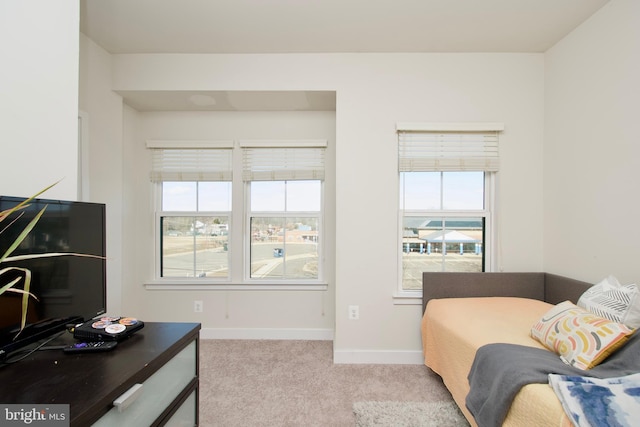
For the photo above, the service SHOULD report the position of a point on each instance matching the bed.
(465, 311)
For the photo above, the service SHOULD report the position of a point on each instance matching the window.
(194, 213)
(194, 229)
(443, 225)
(446, 198)
(285, 210)
(278, 231)
(284, 222)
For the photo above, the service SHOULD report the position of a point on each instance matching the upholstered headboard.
(560, 288)
(547, 287)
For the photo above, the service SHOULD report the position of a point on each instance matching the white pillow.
(613, 301)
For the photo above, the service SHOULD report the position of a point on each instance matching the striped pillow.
(613, 301)
(581, 338)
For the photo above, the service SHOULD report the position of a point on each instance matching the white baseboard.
(266, 334)
(378, 357)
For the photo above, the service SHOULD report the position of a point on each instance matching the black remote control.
(88, 347)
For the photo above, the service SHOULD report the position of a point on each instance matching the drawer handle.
(128, 397)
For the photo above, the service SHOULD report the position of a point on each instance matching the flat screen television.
(69, 289)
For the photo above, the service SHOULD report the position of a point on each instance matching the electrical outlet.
(354, 312)
(197, 306)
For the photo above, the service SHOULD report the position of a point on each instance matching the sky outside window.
(289, 196)
(442, 190)
(186, 196)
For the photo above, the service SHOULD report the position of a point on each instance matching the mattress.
(454, 328)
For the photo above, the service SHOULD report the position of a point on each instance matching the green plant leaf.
(22, 235)
(23, 204)
(25, 292)
(25, 298)
(20, 291)
(9, 285)
(49, 254)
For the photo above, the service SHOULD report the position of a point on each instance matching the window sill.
(194, 285)
(407, 298)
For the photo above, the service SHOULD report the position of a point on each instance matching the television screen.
(68, 288)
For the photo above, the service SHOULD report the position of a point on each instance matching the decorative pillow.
(581, 338)
(613, 301)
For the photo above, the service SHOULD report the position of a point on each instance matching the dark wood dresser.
(152, 376)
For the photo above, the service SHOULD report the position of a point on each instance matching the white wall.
(578, 96)
(103, 109)
(239, 314)
(592, 152)
(39, 97)
(374, 92)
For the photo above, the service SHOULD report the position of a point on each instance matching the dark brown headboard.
(541, 286)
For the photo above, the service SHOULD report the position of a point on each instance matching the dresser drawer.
(158, 392)
(186, 415)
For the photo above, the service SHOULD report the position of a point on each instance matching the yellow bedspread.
(454, 328)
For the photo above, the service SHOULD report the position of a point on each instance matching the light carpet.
(264, 383)
(408, 414)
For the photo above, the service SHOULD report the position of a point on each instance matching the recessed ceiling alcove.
(230, 100)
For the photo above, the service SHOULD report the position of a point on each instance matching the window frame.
(487, 213)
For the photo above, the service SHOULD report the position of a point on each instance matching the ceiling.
(294, 26)
(318, 26)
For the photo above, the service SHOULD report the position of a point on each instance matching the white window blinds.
(281, 161)
(195, 161)
(426, 148)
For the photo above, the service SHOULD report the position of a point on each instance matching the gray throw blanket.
(499, 371)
